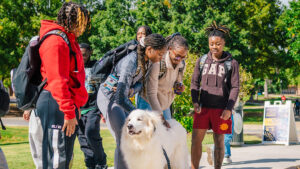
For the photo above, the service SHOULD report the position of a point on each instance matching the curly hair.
(157, 42)
(217, 30)
(176, 40)
(72, 15)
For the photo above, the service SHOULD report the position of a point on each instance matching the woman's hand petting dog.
(165, 122)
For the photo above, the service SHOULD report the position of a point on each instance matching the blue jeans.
(142, 104)
(227, 140)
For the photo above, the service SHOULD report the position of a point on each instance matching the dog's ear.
(155, 117)
(152, 121)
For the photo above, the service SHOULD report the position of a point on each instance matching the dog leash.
(167, 158)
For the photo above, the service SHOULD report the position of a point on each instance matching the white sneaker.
(227, 160)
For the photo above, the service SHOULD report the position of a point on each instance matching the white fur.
(144, 150)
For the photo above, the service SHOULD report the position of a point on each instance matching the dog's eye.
(129, 119)
(139, 119)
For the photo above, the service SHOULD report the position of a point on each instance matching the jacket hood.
(225, 56)
(49, 25)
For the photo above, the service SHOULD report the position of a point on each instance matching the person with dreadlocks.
(216, 80)
(164, 76)
(64, 93)
(129, 73)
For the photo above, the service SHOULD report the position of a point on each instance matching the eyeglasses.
(178, 56)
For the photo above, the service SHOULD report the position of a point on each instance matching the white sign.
(279, 124)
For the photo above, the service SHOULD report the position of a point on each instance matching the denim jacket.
(125, 71)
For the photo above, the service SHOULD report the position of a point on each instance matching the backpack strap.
(65, 38)
(227, 68)
(201, 65)
(162, 67)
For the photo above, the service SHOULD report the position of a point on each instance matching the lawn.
(15, 145)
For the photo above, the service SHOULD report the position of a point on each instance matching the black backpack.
(4, 103)
(105, 65)
(27, 79)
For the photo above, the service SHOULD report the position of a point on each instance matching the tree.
(111, 26)
(290, 20)
(19, 21)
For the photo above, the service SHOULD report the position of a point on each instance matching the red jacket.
(66, 86)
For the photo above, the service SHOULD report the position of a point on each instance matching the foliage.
(246, 84)
(290, 21)
(111, 26)
(183, 103)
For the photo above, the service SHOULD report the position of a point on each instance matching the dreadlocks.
(157, 42)
(73, 16)
(176, 40)
(215, 30)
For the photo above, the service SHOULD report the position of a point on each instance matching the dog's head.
(141, 123)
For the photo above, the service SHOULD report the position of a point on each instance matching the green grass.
(253, 115)
(15, 146)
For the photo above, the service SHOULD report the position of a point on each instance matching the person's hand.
(130, 94)
(197, 108)
(226, 115)
(26, 115)
(69, 126)
(180, 89)
(102, 118)
(165, 123)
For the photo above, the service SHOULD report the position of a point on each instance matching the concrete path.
(260, 157)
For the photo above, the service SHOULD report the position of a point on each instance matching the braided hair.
(147, 30)
(217, 30)
(157, 42)
(72, 15)
(176, 40)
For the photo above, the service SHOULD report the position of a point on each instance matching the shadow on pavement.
(266, 161)
(252, 168)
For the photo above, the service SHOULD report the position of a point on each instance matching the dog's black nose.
(129, 126)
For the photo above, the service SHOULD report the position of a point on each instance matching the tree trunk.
(266, 89)
(256, 95)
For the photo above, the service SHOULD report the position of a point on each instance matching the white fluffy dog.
(143, 138)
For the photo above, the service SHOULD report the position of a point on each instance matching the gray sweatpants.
(115, 117)
(3, 163)
(36, 139)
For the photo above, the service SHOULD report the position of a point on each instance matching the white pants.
(36, 139)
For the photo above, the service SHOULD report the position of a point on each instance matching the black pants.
(90, 139)
(57, 148)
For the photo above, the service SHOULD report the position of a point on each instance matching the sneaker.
(227, 160)
(210, 155)
(101, 167)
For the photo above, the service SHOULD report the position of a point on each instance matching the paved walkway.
(260, 157)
